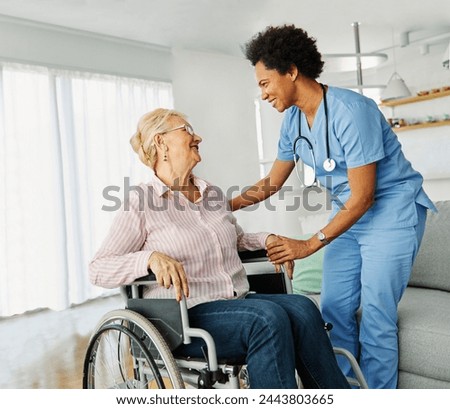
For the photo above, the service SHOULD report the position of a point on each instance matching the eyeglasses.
(187, 127)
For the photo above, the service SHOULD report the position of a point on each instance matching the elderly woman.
(180, 227)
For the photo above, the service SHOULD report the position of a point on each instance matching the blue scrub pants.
(275, 334)
(369, 267)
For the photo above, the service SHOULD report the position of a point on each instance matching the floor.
(45, 349)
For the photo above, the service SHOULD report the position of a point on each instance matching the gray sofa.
(424, 324)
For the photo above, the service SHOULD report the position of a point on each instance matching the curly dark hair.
(280, 47)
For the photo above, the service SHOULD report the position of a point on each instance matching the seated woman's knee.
(270, 316)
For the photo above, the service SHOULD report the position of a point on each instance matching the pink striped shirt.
(204, 237)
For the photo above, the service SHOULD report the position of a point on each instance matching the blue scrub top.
(358, 135)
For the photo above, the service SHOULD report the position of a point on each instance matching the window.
(64, 137)
(268, 124)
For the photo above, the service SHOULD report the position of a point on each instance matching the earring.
(165, 154)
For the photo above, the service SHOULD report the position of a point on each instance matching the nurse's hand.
(284, 249)
(168, 272)
(288, 265)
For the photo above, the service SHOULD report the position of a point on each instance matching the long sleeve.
(249, 241)
(120, 259)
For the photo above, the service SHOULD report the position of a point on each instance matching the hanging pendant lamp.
(395, 88)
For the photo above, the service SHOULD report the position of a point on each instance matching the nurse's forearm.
(362, 182)
(255, 194)
(266, 187)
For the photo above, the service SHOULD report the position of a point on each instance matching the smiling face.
(278, 89)
(182, 143)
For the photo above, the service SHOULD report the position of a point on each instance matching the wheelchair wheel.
(127, 352)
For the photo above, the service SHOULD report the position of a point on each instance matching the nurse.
(378, 204)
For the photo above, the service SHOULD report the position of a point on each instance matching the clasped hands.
(283, 250)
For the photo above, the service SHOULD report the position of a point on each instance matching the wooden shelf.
(411, 100)
(422, 125)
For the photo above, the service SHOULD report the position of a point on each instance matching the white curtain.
(64, 138)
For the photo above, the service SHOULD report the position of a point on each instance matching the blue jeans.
(275, 334)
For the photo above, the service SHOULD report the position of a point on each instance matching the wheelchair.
(132, 348)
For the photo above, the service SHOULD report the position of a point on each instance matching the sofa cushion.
(424, 333)
(308, 272)
(408, 380)
(432, 266)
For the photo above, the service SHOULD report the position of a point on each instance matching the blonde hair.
(149, 125)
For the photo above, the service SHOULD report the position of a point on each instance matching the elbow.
(366, 203)
(106, 274)
(93, 274)
(369, 201)
(97, 276)
(361, 204)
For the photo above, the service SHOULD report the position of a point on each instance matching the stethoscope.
(329, 164)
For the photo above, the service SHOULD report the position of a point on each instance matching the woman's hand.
(288, 265)
(282, 249)
(169, 272)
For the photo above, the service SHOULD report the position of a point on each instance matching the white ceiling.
(225, 25)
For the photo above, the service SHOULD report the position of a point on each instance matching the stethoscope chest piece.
(329, 165)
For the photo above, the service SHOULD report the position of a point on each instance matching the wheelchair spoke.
(114, 367)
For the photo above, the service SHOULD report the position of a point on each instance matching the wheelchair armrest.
(246, 256)
(145, 280)
(253, 256)
(132, 290)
